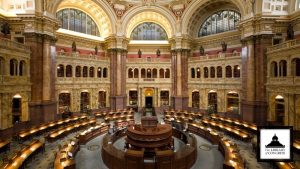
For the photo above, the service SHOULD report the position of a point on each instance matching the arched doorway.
(212, 102)
(148, 97)
(84, 101)
(102, 99)
(64, 102)
(16, 109)
(233, 102)
(279, 110)
(195, 99)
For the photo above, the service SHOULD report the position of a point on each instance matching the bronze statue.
(157, 52)
(140, 53)
(5, 28)
(290, 32)
(74, 46)
(201, 50)
(224, 46)
(96, 50)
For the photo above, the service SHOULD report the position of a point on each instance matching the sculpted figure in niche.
(224, 46)
(290, 32)
(157, 52)
(74, 47)
(201, 50)
(140, 53)
(96, 50)
(5, 28)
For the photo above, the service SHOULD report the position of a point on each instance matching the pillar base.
(254, 111)
(180, 102)
(117, 102)
(42, 112)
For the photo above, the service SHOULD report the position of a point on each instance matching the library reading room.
(149, 84)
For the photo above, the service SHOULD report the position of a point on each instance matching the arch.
(105, 73)
(85, 101)
(282, 68)
(154, 73)
(274, 69)
(16, 107)
(2, 66)
(193, 73)
(188, 16)
(92, 72)
(296, 67)
(99, 73)
(148, 73)
(233, 102)
(136, 73)
(85, 71)
(143, 73)
(13, 67)
(60, 70)
(141, 14)
(102, 99)
(78, 71)
(69, 71)
(205, 69)
(228, 71)
(279, 110)
(212, 102)
(167, 73)
(64, 102)
(161, 73)
(130, 73)
(236, 71)
(148, 31)
(22, 68)
(198, 72)
(219, 72)
(212, 72)
(195, 99)
(100, 11)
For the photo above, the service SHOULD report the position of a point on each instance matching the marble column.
(254, 73)
(43, 105)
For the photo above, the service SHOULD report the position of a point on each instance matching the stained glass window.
(220, 21)
(78, 21)
(149, 31)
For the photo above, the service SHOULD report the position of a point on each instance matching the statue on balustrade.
(157, 52)
(96, 50)
(140, 53)
(201, 50)
(74, 46)
(224, 46)
(5, 28)
(290, 32)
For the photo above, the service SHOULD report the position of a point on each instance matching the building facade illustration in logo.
(275, 143)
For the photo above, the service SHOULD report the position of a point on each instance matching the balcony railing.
(284, 45)
(291, 80)
(149, 60)
(218, 56)
(7, 43)
(77, 55)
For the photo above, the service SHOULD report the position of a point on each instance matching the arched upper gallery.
(99, 11)
(200, 11)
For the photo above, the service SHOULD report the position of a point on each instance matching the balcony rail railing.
(7, 43)
(218, 56)
(78, 55)
(284, 45)
(143, 60)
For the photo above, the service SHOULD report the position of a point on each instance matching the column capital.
(116, 42)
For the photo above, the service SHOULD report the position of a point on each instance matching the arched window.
(149, 31)
(2, 66)
(198, 72)
(282, 68)
(92, 71)
(148, 73)
(136, 73)
(212, 72)
(130, 73)
(105, 72)
(69, 71)
(236, 71)
(161, 73)
(13, 65)
(60, 70)
(99, 74)
(85, 71)
(219, 72)
(78, 71)
(228, 71)
(154, 73)
(167, 73)
(22, 68)
(205, 72)
(78, 21)
(143, 73)
(296, 66)
(220, 21)
(274, 69)
(193, 73)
